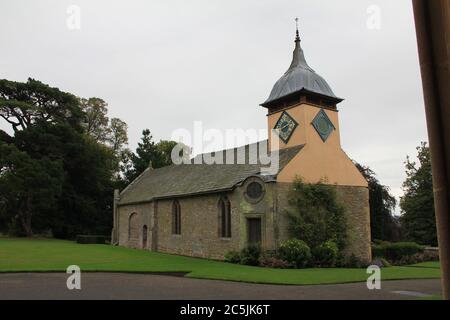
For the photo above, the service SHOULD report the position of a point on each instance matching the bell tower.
(301, 107)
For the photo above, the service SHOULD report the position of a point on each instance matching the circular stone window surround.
(251, 192)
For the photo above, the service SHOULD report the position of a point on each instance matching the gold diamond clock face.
(285, 127)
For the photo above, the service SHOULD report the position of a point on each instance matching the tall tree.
(383, 224)
(118, 136)
(148, 154)
(55, 176)
(96, 118)
(85, 201)
(22, 104)
(145, 156)
(164, 148)
(28, 187)
(417, 204)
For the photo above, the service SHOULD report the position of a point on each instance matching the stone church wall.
(199, 228)
(356, 201)
(200, 235)
(200, 222)
(141, 215)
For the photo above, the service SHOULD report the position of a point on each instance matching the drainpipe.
(432, 18)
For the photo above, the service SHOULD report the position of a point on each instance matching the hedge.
(91, 239)
(396, 251)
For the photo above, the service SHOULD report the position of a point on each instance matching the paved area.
(149, 287)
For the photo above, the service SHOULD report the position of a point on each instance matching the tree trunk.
(25, 215)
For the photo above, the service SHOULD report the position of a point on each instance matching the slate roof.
(193, 179)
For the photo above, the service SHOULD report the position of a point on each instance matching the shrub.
(326, 254)
(377, 251)
(233, 257)
(273, 262)
(250, 255)
(381, 262)
(430, 255)
(316, 215)
(396, 251)
(90, 239)
(418, 258)
(296, 252)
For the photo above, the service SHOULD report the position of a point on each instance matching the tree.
(417, 204)
(96, 119)
(148, 154)
(145, 156)
(383, 224)
(164, 149)
(117, 141)
(118, 136)
(28, 187)
(54, 174)
(88, 166)
(22, 104)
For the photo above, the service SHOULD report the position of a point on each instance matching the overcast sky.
(164, 64)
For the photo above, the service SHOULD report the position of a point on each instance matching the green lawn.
(39, 255)
(429, 264)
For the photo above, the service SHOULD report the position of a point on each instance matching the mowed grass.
(47, 255)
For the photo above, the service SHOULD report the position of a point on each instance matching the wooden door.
(254, 230)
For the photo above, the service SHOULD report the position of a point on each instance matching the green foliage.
(396, 251)
(250, 255)
(56, 172)
(377, 251)
(383, 224)
(91, 239)
(316, 216)
(148, 154)
(326, 254)
(233, 257)
(118, 137)
(295, 252)
(96, 120)
(416, 258)
(417, 204)
(24, 104)
(164, 149)
(29, 188)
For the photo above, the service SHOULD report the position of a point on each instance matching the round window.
(254, 190)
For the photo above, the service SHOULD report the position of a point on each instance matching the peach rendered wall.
(318, 160)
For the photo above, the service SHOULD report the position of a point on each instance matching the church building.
(205, 210)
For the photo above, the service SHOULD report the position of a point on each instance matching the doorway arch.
(144, 236)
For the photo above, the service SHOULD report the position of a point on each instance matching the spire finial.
(297, 36)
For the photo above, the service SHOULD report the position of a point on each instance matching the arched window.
(224, 218)
(176, 218)
(133, 232)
